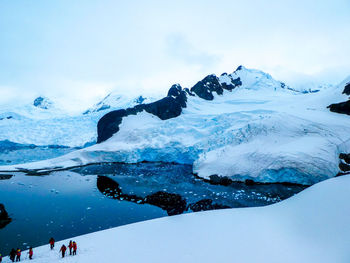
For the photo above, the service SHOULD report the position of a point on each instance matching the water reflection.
(4, 217)
(173, 203)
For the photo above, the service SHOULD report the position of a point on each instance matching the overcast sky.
(80, 50)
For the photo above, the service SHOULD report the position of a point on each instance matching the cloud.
(178, 47)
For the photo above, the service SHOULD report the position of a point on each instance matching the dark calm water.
(79, 201)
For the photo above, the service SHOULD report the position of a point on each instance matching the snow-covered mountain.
(117, 101)
(42, 123)
(312, 226)
(242, 126)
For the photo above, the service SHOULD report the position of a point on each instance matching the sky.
(76, 52)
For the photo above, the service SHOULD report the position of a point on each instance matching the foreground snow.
(312, 226)
(262, 130)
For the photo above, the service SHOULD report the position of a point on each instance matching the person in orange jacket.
(30, 253)
(63, 250)
(52, 243)
(74, 248)
(70, 246)
(18, 255)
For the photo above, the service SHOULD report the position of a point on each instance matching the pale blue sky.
(80, 50)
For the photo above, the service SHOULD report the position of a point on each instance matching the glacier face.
(262, 130)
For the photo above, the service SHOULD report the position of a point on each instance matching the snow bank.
(312, 226)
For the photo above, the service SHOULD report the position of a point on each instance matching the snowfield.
(263, 130)
(312, 226)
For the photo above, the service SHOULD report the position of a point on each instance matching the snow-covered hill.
(312, 226)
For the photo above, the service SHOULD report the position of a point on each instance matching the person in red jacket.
(52, 242)
(63, 250)
(74, 248)
(70, 246)
(30, 253)
(18, 255)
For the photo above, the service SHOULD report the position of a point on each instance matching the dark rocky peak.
(42, 102)
(178, 94)
(165, 108)
(175, 90)
(240, 67)
(204, 88)
(347, 89)
(211, 83)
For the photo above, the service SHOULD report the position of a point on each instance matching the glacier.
(262, 130)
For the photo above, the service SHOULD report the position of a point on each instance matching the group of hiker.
(72, 246)
(15, 254)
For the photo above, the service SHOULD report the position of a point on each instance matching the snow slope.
(312, 226)
(263, 130)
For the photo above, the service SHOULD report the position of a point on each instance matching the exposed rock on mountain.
(166, 108)
(43, 103)
(342, 107)
(347, 89)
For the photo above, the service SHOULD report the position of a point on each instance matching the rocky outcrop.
(342, 107)
(211, 83)
(205, 88)
(166, 108)
(206, 204)
(347, 89)
(4, 217)
(344, 164)
(174, 204)
(43, 103)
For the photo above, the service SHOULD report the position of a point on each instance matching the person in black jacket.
(13, 255)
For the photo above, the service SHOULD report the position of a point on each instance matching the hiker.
(63, 250)
(52, 243)
(70, 246)
(12, 255)
(74, 248)
(18, 255)
(30, 253)
(0, 258)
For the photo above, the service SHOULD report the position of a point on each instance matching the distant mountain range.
(239, 126)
